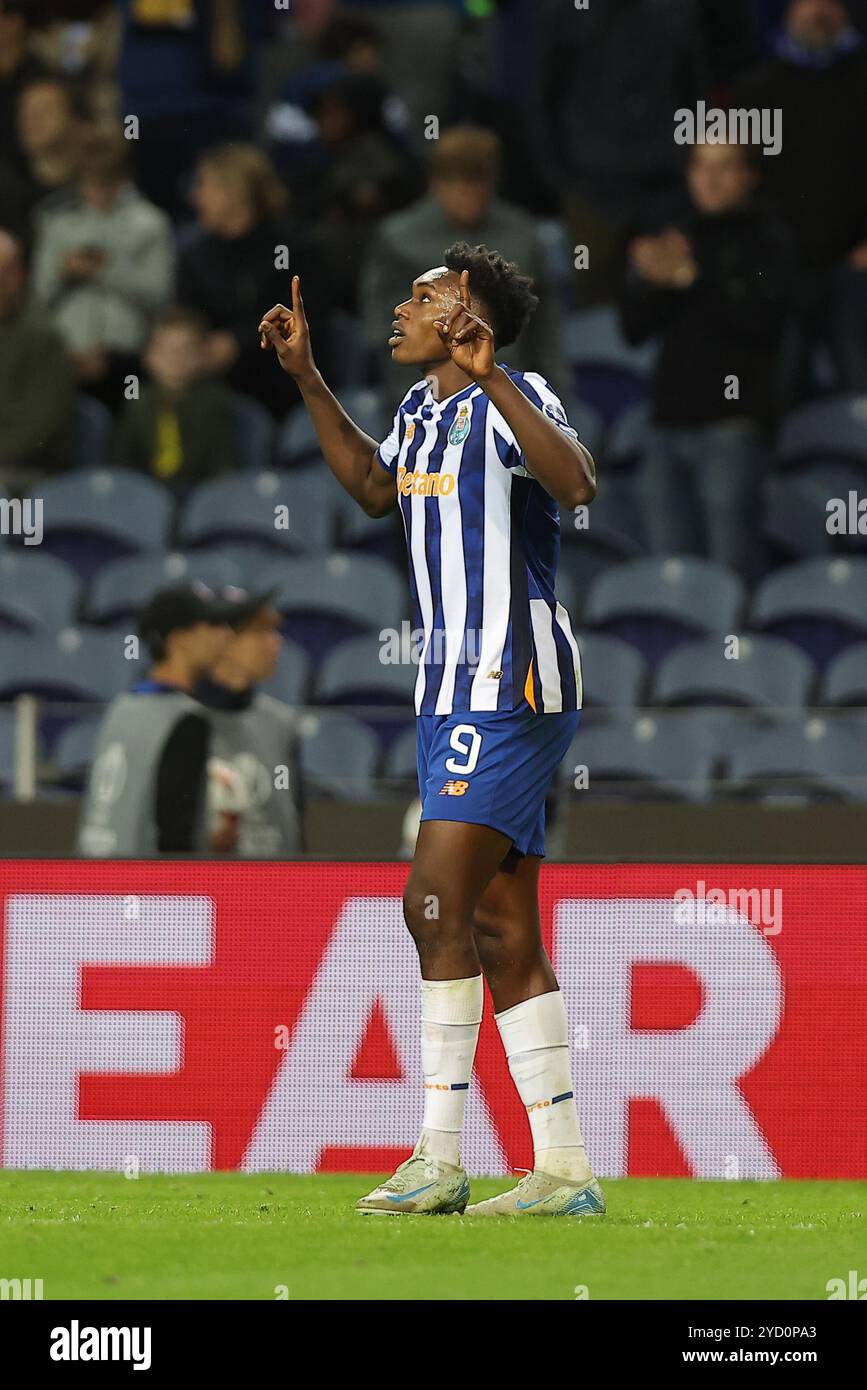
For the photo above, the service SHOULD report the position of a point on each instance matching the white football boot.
(423, 1185)
(542, 1194)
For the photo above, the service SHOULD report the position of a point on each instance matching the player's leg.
(531, 1018)
(453, 864)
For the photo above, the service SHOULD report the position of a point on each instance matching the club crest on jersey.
(460, 426)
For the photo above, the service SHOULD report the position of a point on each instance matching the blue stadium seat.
(297, 442)
(767, 673)
(73, 753)
(610, 533)
(7, 749)
(291, 681)
(92, 516)
(36, 590)
(355, 673)
(645, 757)
(120, 589)
(614, 673)
(70, 664)
(820, 604)
(91, 438)
(593, 337)
(806, 758)
(401, 765)
(657, 603)
(243, 507)
(825, 429)
(339, 755)
(794, 516)
(383, 536)
(327, 598)
(254, 433)
(845, 680)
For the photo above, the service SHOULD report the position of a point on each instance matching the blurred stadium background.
(256, 128)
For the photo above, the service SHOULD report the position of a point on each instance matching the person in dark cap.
(146, 789)
(254, 784)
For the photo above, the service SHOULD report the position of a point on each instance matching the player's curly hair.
(507, 294)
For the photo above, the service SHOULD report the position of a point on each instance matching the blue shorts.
(493, 769)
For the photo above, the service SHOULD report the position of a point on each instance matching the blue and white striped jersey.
(483, 539)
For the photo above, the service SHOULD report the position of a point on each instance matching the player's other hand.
(287, 332)
(467, 338)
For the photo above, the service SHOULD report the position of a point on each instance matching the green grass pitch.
(264, 1236)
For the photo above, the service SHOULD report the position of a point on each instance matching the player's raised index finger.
(465, 288)
(297, 301)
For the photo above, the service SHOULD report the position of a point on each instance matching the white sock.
(535, 1037)
(451, 1011)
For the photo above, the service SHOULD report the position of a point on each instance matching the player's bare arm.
(348, 451)
(565, 468)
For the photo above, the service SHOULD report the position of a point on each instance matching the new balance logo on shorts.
(453, 788)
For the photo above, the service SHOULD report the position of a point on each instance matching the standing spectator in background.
(609, 81)
(717, 293)
(420, 38)
(461, 204)
(103, 267)
(235, 262)
(188, 70)
(146, 792)
(36, 382)
(255, 786)
(817, 77)
(180, 430)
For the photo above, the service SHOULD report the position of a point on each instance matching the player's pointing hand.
(287, 332)
(468, 339)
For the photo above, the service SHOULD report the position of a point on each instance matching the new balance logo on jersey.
(454, 788)
(425, 484)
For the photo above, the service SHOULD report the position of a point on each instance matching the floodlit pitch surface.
(233, 1236)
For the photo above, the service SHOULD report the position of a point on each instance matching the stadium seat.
(383, 536)
(73, 753)
(339, 755)
(767, 673)
(657, 603)
(820, 604)
(297, 443)
(254, 433)
(834, 428)
(74, 663)
(646, 756)
(401, 763)
(244, 508)
(291, 681)
(120, 589)
(794, 516)
(36, 590)
(325, 599)
(806, 758)
(593, 337)
(91, 438)
(92, 516)
(7, 749)
(614, 673)
(609, 533)
(845, 680)
(355, 673)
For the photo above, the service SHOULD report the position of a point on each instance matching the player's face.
(719, 178)
(414, 340)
